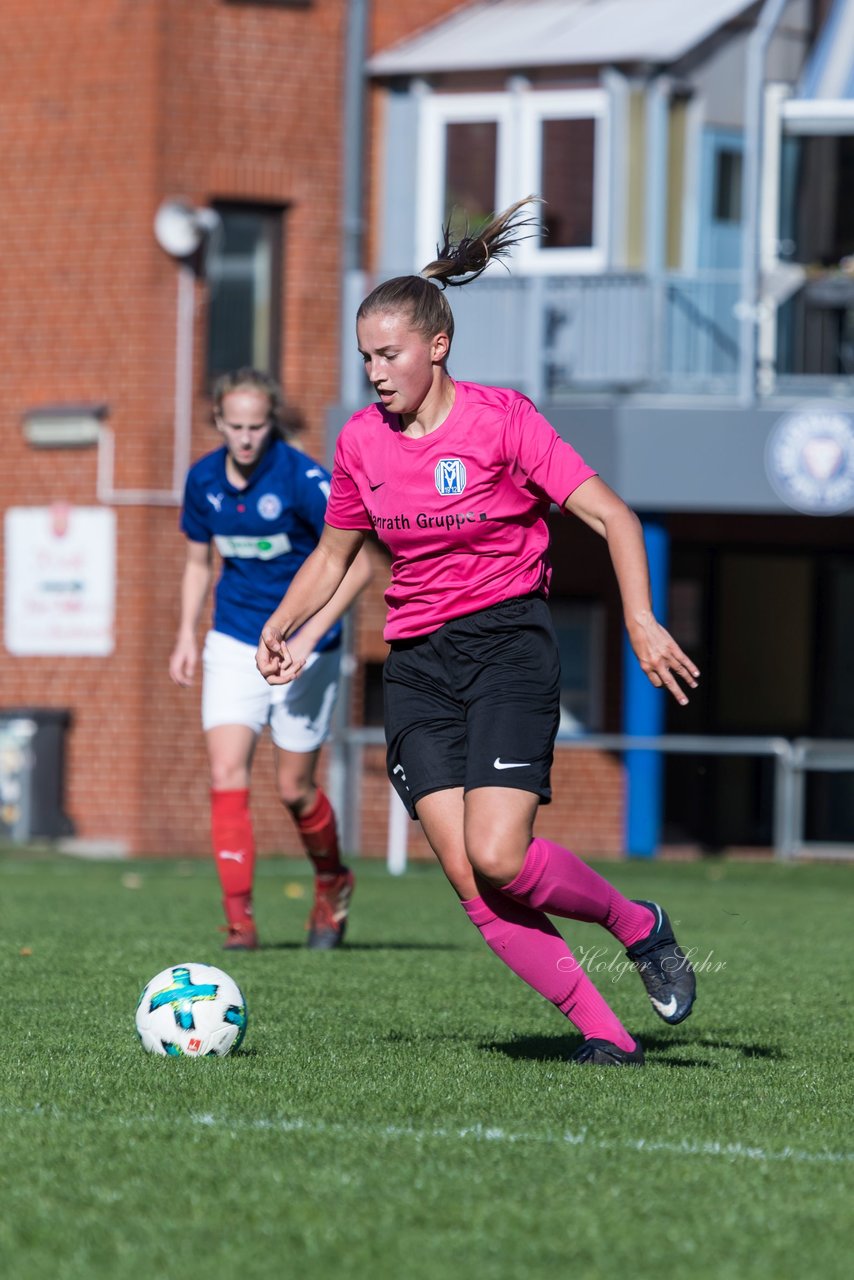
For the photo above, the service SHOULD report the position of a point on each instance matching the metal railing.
(793, 760)
(554, 335)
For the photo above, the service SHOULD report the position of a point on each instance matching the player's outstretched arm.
(313, 587)
(660, 657)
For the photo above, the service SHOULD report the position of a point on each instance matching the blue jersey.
(263, 532)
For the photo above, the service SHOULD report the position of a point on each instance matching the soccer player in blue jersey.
(261, 503)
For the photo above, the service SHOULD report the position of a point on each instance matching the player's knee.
(295, 793)
(227, 776)
(494, 860)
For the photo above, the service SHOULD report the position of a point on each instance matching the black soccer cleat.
(666, 971)
(602, 1053)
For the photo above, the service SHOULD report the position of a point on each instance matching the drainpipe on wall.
(655, 213)
(352, 142)
(748, 305)
(341, 782)
(108, 494)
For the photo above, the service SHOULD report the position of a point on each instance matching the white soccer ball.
(191, 1010)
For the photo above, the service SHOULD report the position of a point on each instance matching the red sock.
(319, 835)
(234, 851)
(553, 879)
(531, 946)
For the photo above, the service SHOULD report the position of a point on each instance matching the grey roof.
(504, 34)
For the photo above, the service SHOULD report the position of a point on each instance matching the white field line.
(482, 1133)
(472, 1133)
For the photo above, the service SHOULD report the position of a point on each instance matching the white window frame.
(572, 104)
(437, 112)
(519, 116)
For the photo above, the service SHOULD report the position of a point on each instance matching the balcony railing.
(554, 337)
(793, 761)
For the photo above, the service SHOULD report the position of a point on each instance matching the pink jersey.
(462, 510)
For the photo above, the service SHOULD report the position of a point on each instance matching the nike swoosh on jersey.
(498, 763)
(374, 487)
(666, 1010)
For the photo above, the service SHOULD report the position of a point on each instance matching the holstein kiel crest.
(810, 459)
(450, 477)
(270, 506)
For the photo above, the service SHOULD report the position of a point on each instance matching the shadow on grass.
(560, 1048)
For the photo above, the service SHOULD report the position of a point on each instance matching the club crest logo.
(809, 459)
(450, 477)
(269, 506)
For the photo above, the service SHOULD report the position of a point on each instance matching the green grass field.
(403, 1107)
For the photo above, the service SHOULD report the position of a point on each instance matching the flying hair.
(457, 263)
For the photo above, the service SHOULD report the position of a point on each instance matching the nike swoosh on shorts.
(498, 763)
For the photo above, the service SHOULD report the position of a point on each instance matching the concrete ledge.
(94, 850)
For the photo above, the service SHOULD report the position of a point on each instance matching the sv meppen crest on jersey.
(450, 476)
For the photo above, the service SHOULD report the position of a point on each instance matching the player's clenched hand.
(661, 658)
(274, 659)
(182, 662)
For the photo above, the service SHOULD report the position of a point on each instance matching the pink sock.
(554, 880)
(529, 944)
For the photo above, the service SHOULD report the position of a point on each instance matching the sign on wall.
(60, 576)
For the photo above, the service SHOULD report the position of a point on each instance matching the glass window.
(561, 153)
(471, 163)
(479, 153)
(567, 183)
(728, 186)
(580, 631)
(243, 271)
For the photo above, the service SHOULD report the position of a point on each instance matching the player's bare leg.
(550, 878)
(524, 939)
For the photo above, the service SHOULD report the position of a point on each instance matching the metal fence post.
(784, 802)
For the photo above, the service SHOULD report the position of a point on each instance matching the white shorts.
(235, 692)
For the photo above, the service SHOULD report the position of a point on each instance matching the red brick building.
(109, 108)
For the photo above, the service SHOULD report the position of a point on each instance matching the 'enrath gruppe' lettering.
(423, 521)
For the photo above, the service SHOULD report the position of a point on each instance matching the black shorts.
(474, 704)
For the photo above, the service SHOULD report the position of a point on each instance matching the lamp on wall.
(182, 230)
(63, 426)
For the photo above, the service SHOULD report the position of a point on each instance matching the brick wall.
(117, 105)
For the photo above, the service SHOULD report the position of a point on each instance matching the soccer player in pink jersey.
(457, 481)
